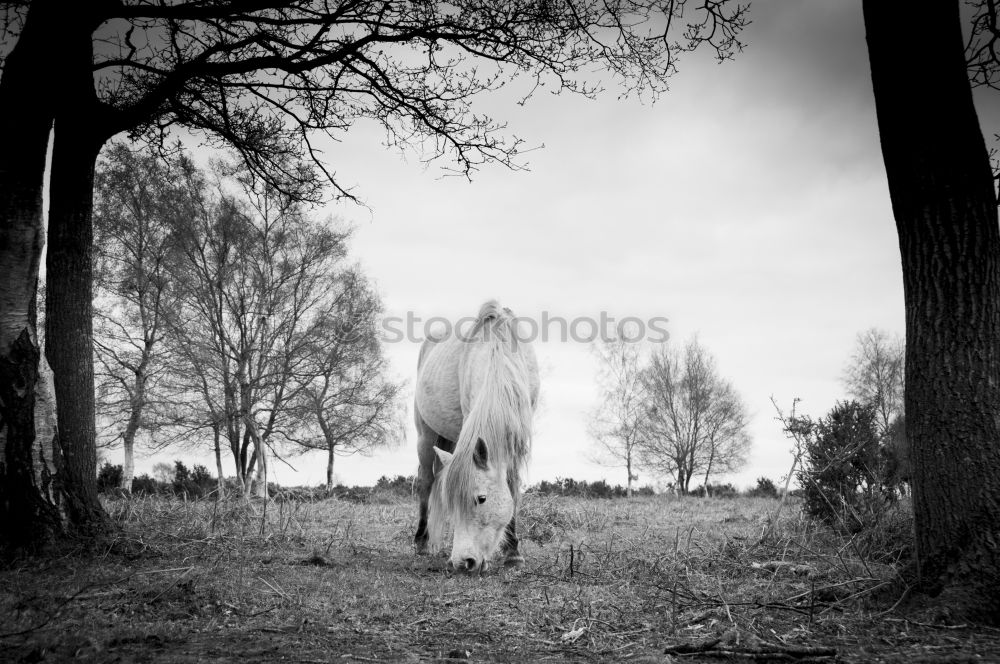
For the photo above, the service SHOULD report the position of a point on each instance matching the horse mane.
(500, 416)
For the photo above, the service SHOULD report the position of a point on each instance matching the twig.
(931, 625)
(724, 602)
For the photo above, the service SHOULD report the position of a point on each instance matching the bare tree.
(137, 202)
(265, 78)
(694, 421)
(259, 283)
(616, 425)
(874, 375)
(346, 404)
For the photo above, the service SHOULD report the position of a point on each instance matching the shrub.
(765, 489)
(844, 469)
(144, 485)
(400, 485)
(109, 478)
(716, 491)
(580, 488)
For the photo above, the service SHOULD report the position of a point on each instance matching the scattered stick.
(763, 652)
(931, 625)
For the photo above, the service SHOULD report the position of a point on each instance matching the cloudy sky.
(749, 206)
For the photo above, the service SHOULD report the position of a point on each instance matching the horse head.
(479, 527)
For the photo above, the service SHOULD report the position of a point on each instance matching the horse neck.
(501, 404)
(500, 415)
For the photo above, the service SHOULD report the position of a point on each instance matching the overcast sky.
(749, 206)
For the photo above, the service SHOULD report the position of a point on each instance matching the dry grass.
(605, 580)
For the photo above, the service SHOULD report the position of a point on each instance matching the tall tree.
(694, 420)
(138, 200)
(616, 425)
(945, 209)
(266, 78)
(259, 288)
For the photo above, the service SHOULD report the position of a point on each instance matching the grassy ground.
(604, 580)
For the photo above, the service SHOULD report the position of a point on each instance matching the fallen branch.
(766, 652)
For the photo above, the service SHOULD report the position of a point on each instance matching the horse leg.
(512, 556)
(425, 479)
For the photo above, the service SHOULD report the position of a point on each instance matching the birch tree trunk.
(221, 483)
(30, 507)
(329, 468)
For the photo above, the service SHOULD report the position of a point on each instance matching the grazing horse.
(476, 395)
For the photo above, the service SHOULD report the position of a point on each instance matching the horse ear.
(443, 456)
(480, 456)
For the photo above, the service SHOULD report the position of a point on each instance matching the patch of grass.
(605, 580)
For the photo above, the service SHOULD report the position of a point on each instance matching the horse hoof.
(514, 560)
(422, 549)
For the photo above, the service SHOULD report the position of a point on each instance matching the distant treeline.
(198, 482)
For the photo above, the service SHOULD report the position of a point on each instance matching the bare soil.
(648, 580)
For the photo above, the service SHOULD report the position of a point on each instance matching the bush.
(716, 491)
(192, 484)
(144, 485)
(765, 489)
(584, 489)
(844, 469)
(400, 485)
(109, 478)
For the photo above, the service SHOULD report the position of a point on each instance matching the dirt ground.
(653, 579)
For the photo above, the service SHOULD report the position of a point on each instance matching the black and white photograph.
(652, 331)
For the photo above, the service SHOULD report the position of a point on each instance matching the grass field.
(605, 580)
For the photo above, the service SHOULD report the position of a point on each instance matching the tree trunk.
(69, 309)
(261, 482)
(30, 510)
(946, 217)
(128, 463)
(136, 405)
(329, 468)
(128, 436)
(628, 469)
(708, 469)
(221, 484)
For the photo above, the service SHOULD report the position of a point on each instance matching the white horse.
(476, 395)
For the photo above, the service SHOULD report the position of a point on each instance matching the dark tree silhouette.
(263, 77)
(945, 208)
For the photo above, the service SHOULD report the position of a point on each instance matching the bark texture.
(29, 512)
(69, 313)
(946, 217)
(80, 131)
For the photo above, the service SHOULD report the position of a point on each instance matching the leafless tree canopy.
(672, 414)
(269, 77)
(346, 404)
(230, 303)
(696, 423)
(138, 202)
(874, 375)
(616, 425)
